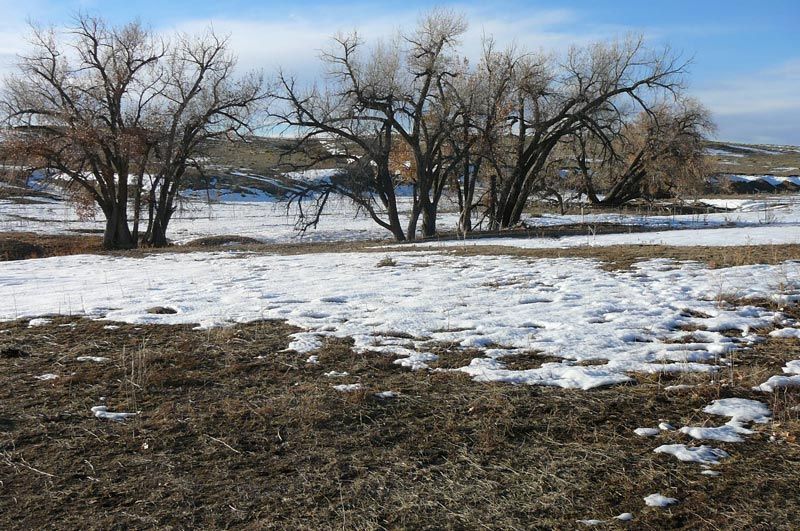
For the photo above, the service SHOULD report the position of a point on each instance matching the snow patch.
(701, 454)
(658, 500)
(103, 413)
(348, 388)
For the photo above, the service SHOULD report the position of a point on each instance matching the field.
(632, 368)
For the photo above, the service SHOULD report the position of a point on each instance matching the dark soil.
(235, 432)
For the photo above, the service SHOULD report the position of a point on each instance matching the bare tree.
(392, 98)
(77, 108)
(483, 96)
(593, 90)
(110, 103)
(199, 101)
(659, 153)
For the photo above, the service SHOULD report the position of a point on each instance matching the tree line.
(124, 113)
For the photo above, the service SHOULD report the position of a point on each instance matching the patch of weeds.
(386, 261)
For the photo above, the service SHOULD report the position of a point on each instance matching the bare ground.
(22, 246)
(234, 432)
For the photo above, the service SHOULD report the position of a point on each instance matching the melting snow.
(96, 359)
(387, 394)
(603, 325)
(701, 454)
(102, 412)
(779, 382)
(348, 388)
(741, 411)
(658, 500)
(786, 333)
(646, 432)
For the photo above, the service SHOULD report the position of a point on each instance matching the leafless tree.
(658, 153)
(200, 100)
(483, 96)
(107, 104)
(379, 102)
(592, 90)
(77, 108)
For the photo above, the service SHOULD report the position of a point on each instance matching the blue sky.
(746, 57)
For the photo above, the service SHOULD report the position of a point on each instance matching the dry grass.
(235, 432)
(25, 245)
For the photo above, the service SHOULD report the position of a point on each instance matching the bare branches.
(99, 104)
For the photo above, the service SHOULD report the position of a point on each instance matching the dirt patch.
(222, 241)
(624, 256)
(161, 310)
(236, 432)
(527, 360)
(24, 245)
(12, 352)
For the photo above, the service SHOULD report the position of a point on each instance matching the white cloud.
(761, 106)
(295, 43)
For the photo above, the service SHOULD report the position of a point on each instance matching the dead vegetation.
(236, 432)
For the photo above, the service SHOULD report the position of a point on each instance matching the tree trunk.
(428, 219)
(394, 219)
(158, 235)
(117, 235)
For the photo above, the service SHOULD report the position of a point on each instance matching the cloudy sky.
(745, 56)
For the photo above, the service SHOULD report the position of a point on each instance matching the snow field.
(602, 325)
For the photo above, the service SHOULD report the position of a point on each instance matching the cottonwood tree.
(376, 98)
(592, 90)
(658, 153)
(341, 116)
(477, 138)
(107, 104)
(200, 100)
(77, 108)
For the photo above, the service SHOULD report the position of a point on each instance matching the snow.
(712, 237)
(765, 221)
(387, 394)
(47, 376)
(740, 410)
(348, 388)
(336, 374)
(604, 326)
(689, 454)
(679, 387)
(96, 359)
(786, 333)
(103, 413)
(658, 500)
(722, 153)
(624, 517)
(781, 382)
(254, 215)
(38, 322)
(666, 426)
(646, 432)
